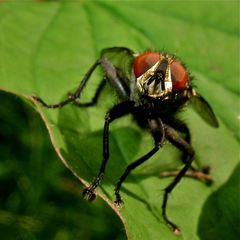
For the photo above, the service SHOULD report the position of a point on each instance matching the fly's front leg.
(95, 97)
(112, 74)
(115, 79)
(116, 112)
(74, 96)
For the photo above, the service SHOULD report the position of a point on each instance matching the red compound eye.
(179, 76)
(144, 62)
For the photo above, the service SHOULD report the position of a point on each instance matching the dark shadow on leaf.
(153, 210)
(220, 217)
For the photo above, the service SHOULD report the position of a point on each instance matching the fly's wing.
(201, 106)
(122, 58)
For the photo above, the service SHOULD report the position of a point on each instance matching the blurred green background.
(39, 197)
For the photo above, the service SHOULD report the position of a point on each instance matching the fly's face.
(156, 82)
(158, 74)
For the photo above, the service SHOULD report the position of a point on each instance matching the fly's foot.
(89, 194)
(175, 229)
(118, 202)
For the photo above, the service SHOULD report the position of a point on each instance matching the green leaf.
(47, 48)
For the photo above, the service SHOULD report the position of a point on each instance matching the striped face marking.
(158, 74)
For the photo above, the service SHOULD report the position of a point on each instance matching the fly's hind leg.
(201, 174)
(184, 146)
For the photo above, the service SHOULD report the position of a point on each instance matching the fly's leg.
(157, 130)
(196, 173)
(116, 112)
(184, 146)
(183, 128)
(95, 98)
(74, 96)
(112, 75)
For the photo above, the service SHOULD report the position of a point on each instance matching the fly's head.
(159, 76)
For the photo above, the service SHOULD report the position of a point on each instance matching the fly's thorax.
(164, 106)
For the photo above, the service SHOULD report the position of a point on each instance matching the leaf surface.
(47, 48)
